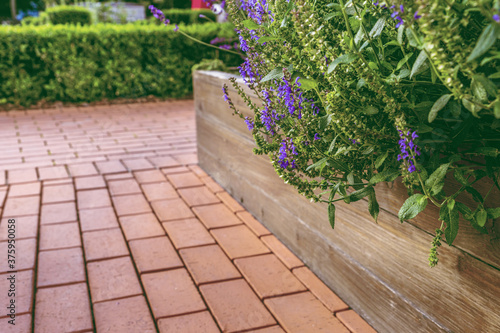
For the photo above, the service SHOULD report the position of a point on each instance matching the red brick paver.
(118, 230)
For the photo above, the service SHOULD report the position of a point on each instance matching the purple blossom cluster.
(287, 151)
(249, 72)
(160, 16)
(249, 123)
(408, 149)
(267, 117)
(256, 9)
(397, 11)
(291, 96)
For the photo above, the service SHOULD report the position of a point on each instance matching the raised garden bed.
(381, 269)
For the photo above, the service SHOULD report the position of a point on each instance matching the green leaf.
(403, 61)
(422, 57)
(471, 106)
(265, 39)
(360, 84)
(438, 105)
(411, 39)
(377, 28)
(403, 73)
(481, 217)
(373, 206)
(318, 164)
(250, 25)
(360, 194)
(401, 31)
(496, 109)
(484, 43)
(350, 178)
(478, 90)
(475, 194)
(466, 211)
(493, 213)
(412, 206)
(332, 145)
(276, 73)
(359, 36)
(452, 225)
(435, 181)
(343, 59)
(384, 176)
(487, 151)
(486, 83)
(380, 160)
(307, 84)
(331, 214)
(370, 110)
(460, 177)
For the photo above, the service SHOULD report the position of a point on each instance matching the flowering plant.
(355, 93)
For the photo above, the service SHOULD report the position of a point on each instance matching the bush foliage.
(90, 63)
(188, 16)
(69, 15)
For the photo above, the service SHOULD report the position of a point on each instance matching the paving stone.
(208, 264)
(53, 172)
(272, 329)
(58, 267)
(195, 322)
(125, 186)
(239, 241)
(354, 322)
(61, 235)
(118, 176)
(174, 209)
(187, 233)
(172, 293)
(23, 324)
(29, 227)
(150, 176)
(177, 169)
(97, 218)
(91, 182)
(268, 276)
(110, 167)
(16, 207)
(196, 196)
(102, 244)
(84, 169)
(154, 254)
(127, 315)
(113, 278)
(215, 216)
(235, 306)
(159, 191)
(137, 164)
(24, 189)
(2, 178)
(303, 313)
(186, 159)
(131, 204)
(182, 180)
(27, 261)
(22, 176)
(197, 170)
(211, 184)
(141, 226)
(61, 181)
(320, 290)
(230, 202)
(58, 193)
(93, 199)
(58, 212)
(52, 313)
(163, 161)
(254, 225)
(22, 286)
(279, 249)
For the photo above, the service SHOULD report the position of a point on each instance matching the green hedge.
(188, 16)
(90, 63)
(69, 15)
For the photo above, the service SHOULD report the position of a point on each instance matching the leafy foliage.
(91, 63)
(394, 88)
(69, 15)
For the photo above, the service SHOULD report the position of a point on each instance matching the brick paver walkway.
(118, 230)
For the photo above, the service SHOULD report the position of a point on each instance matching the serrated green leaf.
(250, 25)
(331, 214)
(377, 28)
(343, 59)
(380, 160)
(493, 213)
(496, 109)
(403, 73)
(350, 178)
(370, 110)
(412, 207)
(452, 225)
(360, 194)
(460, 177)
(475, 194)
(478, 90)
(484, 43)
(360, 84)
(466, 211)
(422, 57)
(332, 145)
(401, 31)
(307, 84)
(276, 73)
(411, 39)
(404, 61)
(318, 164)
(265, 39)
(438, 106)
(373, 206)
(359, 36)
(481, 217)
(384, 176)
(487, 84)
(435, 181)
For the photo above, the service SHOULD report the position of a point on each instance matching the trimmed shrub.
(69, 15)
(91, 63)
(188, 16)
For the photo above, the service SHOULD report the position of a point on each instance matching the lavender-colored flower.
(354, 141)
(496, 17)
(286, 152)
(416, 16)
(316, 137)
(409, 150)
(243, 43)
(226, 97)
(225, 47)
(176, 28)
(249, 123)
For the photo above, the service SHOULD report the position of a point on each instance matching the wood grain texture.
(380, 270)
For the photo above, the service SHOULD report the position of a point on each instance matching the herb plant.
(355, 93)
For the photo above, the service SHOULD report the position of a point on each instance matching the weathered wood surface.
(378, 269)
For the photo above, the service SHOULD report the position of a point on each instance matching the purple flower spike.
(401, 8)
(176, 28)
(316, 136)
(416, 16)
(496, 17)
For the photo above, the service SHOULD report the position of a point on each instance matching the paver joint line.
(129, 225)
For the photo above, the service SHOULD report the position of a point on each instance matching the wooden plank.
(389, 258)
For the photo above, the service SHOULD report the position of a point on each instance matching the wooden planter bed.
(380, 270)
